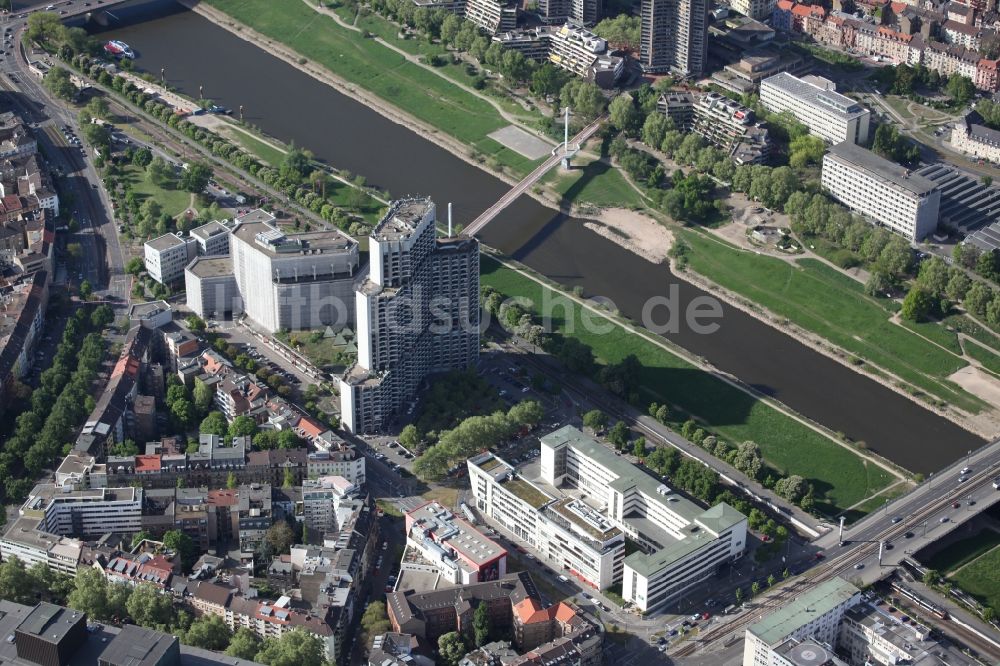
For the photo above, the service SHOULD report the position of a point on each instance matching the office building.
(49, 635)
(167, 256)
(211, 289)
(814, 616)
(681, 543)
(674, 37)
(293, 281)
(815, 102)
(896, 198)
(417, 314)
(211, 239)
(721, 121)
(89, 512)
(584, 504)
(461, 553)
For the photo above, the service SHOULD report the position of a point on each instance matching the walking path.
(417, 60)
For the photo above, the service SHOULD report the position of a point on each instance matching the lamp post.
(163, 76)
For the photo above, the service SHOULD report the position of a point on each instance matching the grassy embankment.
(840, 476)
(819, 299)
(373, 67)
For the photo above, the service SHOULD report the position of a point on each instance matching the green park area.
(387, 74)
(975, 567)
(265, 152)
(173, 200)
(840, 477)
(594, 181)
(822, 300)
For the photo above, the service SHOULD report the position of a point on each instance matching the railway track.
(833, 566)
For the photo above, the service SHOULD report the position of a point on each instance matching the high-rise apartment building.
(417, 314)
(587, 12)
(674, 37)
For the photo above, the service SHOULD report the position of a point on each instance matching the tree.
(481, 624)
(295, 648)
(135, 266)
(183, 413)
(159, 173)
(527, 413)
(208, 632)
(245, 644)
(547, 80)
(125, 449)
(295, 165)
(409, 437)
(931, 576)
(514, 66)
(595, 419)
(754, 589)
(142, 157)
(748, 459)
(150, 608)
(280, 537)
(654, 129)
(203, 396)
(184, 546)
(242, 426)
(977, 298)
(960, 88)
(195, 177)
(739, 595)
(771, 580)
(878, 284)
(792, 488)
(15, 585)
(90, 594)
(451, 647)
(806, 149)
(619, 435)
(621, 32)
(44, 27)
(917, 305)
(639, 447)
(86, 290)
(624, 115)
(214, 424)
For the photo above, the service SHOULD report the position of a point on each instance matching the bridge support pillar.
(566, 163)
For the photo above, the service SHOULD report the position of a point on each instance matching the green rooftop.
(527, 492)
(819, 601)
(491, 463)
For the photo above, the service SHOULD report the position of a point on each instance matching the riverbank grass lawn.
(259, 149)
(819, 299)
(981, 578)
(387, 74)
(592, 181)
(173, 201)
(954, 556)
(841, 477)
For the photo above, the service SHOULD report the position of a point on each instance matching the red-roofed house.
(147, 464)
(988, 75)
(781, 17)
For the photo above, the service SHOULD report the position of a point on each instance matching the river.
(292, 106)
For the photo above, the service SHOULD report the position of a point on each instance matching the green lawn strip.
(374, 67)
(981, 578)
(936, 332)
(595, 182)
(989, 359)
(820, 299)
(256, 147)
(967, 325)
(173, 202)
(841, 478)
(956, 555)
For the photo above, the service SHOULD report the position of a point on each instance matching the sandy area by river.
(978, 383)
(634, 231)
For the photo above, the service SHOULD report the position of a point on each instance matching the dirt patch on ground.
(978, 383)
(635, 232)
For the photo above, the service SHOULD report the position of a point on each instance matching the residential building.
(493, 16)
(293, 281)
(88, 512)
(417, 314)
(814, 616)
(28, 542)
(392, 649)
(323, 499)
(973, 137)
(815, 102)
(892, 196)
(570, 47)
(211, 238)
(674, 37)
(343, 461)
(15, 137)
(461, 553)
(723, 122)
(756, 9)
(167, 256)
(585, 12)
(513, 603)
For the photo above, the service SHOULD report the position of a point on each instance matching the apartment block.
(815, 102)
(904, 202)
(324, 501)
(343, 461)
(493, 16)
(167, 256)
(756, 9)
(721, 121)
(462, 554)
(417, 314)
(674, 37)
(570, 47)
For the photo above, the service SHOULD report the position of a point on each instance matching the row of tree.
(473, 435)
